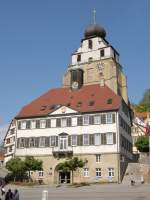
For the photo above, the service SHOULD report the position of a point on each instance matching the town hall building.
(89, 117)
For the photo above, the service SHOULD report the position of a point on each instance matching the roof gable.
(63, 110)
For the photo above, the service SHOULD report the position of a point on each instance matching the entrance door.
(63, 142)
(64, 177)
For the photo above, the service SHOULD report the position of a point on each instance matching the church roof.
(89, 98)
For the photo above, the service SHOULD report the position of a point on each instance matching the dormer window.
(90, 44)
(78, 57)
(102, 53)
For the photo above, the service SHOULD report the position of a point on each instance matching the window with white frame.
(31, 142)
(109, 118)
(86, 172)
(22, 143)
(41, 174)
(85, 120)
(98, 172)
(74, 140)
(85, 139)
(97, 138)
(33, 124)
(74, 121)
(53, 122)
(42, 142)
(97, 119)
(23, 124)
(111, 172)
(109, 138)
(63, 122)
(42, 123)
(53, 140)
(98, 158)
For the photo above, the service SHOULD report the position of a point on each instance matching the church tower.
(96, 62)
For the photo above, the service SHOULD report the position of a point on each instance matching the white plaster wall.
(90, 129)
(95, 54)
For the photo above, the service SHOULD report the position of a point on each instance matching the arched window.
(90, 44)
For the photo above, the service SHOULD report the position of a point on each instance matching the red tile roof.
(90, 98)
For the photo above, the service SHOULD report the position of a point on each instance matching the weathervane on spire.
(94, 16)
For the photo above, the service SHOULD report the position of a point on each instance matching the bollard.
(44, 195)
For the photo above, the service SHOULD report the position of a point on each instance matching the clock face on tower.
(75, 85)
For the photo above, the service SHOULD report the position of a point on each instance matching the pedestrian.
(2, 190)
(9, 195)
(16, 195)
(132, 180)
(142, 180)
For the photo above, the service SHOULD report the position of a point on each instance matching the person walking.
(16, 195)
(9, 195)
(2, 190)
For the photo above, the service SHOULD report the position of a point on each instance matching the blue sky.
(37, 38)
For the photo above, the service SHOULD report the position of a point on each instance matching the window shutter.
(36, 142)
(103, 118)
(69, 121)
(91, 119)
(58, 122)
(19, 125)
(69, 140)
(114, 138)
(18, 142)
(56, 141)
(113, 117)
(80, 121)
(103, 138)
(91, 139)
(27, 142)
(37, 123)
(48, 123)
(80, 140)
(28, 124)
(47, 142)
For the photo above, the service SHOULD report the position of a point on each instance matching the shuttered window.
(97, 139)
(109, 118)
(86, 139)
(109, 138)
(48, 123)
(37, 123)
(80, 121)
(58, 122)
(28, 124)
(103, 138)
(69, 121)
(31, 142)
(53, 122)
(103, 118)
(85, 120)
(33, 124)
(23, 124)
(63, 122)
(97, 119)
(53, 141)
(91, 119)
(43, 123)
(74, 140)
(42, 142)
(80, 140)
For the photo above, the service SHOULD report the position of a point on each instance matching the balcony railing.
(58, 152)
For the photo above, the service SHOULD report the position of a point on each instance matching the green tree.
(142, 143)
(71, 165)
(144, 104)
(16, 166)
(32, 164)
